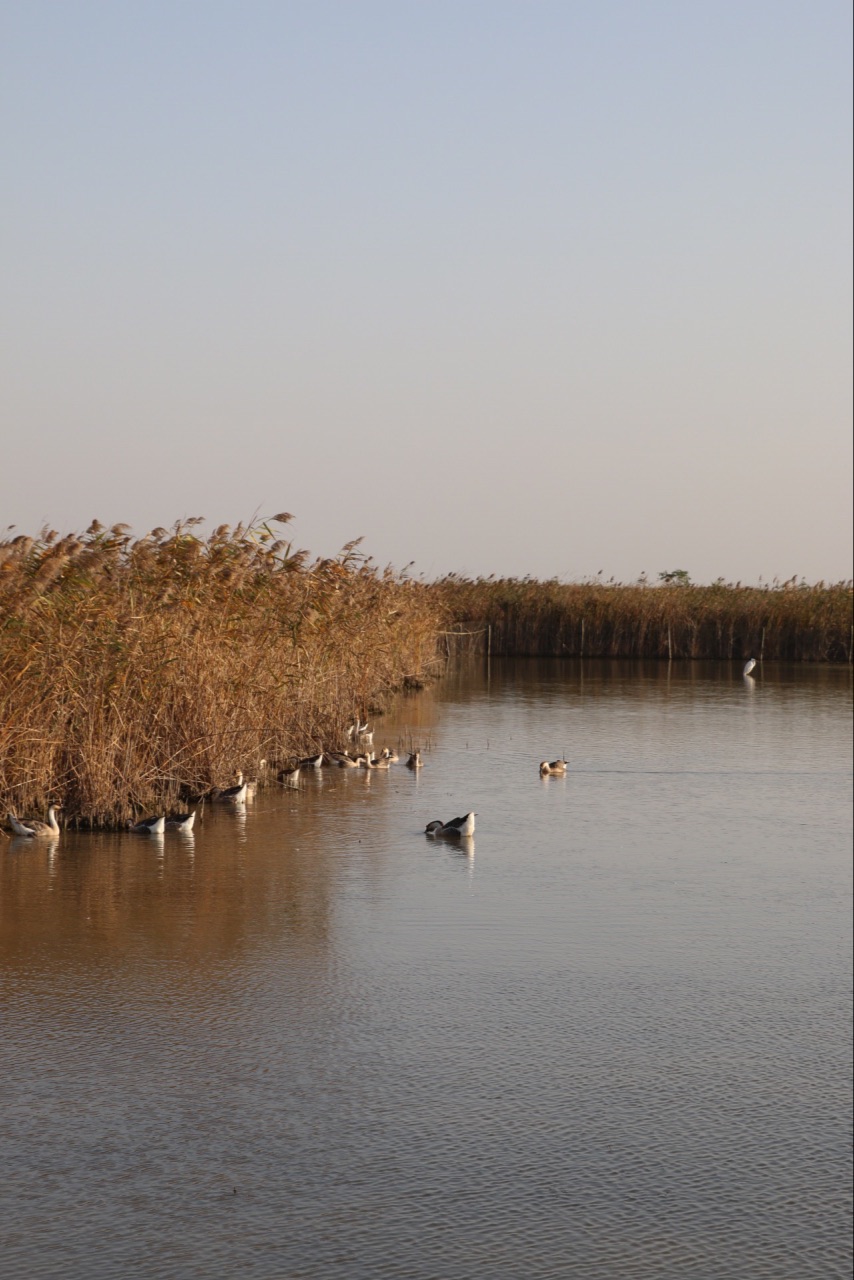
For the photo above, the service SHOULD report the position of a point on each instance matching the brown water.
(610, 1039)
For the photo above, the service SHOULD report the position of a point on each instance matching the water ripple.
(614, 1045)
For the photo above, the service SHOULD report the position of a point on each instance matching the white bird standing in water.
(748, 666)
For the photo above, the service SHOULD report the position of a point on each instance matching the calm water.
(610, 1039)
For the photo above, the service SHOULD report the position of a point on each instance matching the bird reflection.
(25, 844)
(160, 849)
(461, 851)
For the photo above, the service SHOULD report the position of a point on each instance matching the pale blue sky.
(526, 287)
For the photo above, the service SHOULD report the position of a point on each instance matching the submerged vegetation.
(138, 673)
(788, 621)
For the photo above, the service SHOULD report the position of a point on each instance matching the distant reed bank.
(789, 621)
(137, 673)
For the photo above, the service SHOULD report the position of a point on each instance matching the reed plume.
(139, 672)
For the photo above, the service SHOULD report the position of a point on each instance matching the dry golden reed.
(137, 673)
(788, 621)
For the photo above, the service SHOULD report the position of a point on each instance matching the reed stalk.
(136, 674)
(789, 621)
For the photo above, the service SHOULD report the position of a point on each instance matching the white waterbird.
(149, 826)
(34, 828)
(456, 827)
(182, 822)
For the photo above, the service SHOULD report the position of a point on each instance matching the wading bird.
(748, 666)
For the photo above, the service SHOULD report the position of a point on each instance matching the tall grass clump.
(787, 621)
(136, 672)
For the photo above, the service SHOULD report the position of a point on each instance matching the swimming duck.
(456, 827)
(370, 761)
(149, 826)
(182, 822)
(549, 768)
(233, 795)
(344, 761)
(34, 828)
(311, 762)
(389, 753)
(415, 761)
(290, 777)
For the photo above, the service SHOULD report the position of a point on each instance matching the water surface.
(610, 1037)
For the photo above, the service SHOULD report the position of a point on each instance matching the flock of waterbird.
(362, 757)
(359, 734)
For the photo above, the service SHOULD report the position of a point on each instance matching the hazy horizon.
(544, 289)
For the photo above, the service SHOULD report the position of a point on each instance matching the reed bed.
(789, 621)
(138, 673)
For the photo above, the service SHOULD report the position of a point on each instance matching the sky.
(545, 287)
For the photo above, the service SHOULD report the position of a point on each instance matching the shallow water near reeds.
(609, 1038)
